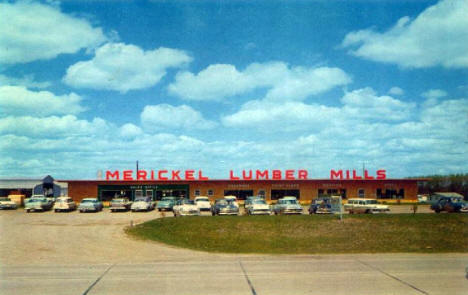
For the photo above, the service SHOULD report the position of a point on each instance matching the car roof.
(289, 198)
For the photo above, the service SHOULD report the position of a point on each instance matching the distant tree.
(457, 183)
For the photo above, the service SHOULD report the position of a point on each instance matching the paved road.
(249, 275)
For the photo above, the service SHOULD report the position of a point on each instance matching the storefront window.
(196, 192)
(210, 193)
(361, 193)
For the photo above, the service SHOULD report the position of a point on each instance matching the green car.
(38, 204)
(166, 204)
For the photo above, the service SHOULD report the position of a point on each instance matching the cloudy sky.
(220, 85)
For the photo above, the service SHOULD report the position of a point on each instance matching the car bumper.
(191, 213)
(260, 212)
(8, 206)
(88, 209)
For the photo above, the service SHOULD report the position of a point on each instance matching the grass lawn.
(384, 233)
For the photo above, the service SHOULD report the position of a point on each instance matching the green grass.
(385, 233)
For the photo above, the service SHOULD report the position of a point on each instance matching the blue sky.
(220, 85)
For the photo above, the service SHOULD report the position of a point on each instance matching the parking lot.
(74, 253)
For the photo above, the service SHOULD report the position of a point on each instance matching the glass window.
(197, 192)
(261, 192)
(210, 193)
(138, 193)
(361, 193)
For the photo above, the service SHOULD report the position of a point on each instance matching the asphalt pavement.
(250, 275)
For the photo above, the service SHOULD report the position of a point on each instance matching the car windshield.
(5, 199)
(456, 200)
(202, 200)
(140, 200)
(88, 201)
(167, 199)
(61, 200)
(371, 201)
(222, 202)
(118, 200)
(290, 201)
(259, 202)
(188, 202)
(36, 200)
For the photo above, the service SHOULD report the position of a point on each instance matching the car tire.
(56, 210)
(437, 210)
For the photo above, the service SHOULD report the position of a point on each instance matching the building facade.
(304, 190)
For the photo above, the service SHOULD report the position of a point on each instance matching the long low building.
(303, 189)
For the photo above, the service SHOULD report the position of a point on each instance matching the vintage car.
(120, 204)
(185, 207)
(250, 199)
(287, 205)
(224, 207)
(142, 204)
(203, 203)
(257, 206)
(166, 204)
(7, 203)
(452, 204)
(64, 204)
(38, 204)
(232, 199)
(90, 205)
(361, 205)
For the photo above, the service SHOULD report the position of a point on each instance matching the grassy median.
(385, 233)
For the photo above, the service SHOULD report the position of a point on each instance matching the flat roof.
(240, 180)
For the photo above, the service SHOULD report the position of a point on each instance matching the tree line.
(457, 183)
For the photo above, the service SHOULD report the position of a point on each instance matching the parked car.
(120, 204)
(203, 203)
(90, 205)
(37, 204)
(185, 207)
(361, 205)
(64, 204)
(224, 207)
(232, 199)
(257, 206)
(452, 204)
(166, 204)
(7, 203)
(250, 199)
(142, 204)
(287, 205)
(325, 205)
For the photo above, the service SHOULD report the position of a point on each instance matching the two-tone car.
(203, 203)
(90, 205)
(257, 206)
(321, 205)
(185, 207)
(142, 204)
(361, 205)
(451, 204)
(37, 203)
(120, 204)
(166, 204)
(232, 200)
(224, 207)
(287, 205)
(64, 204)
(7, 203)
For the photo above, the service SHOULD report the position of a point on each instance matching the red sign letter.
(259, 174)
(336, 174)
(302, 174)
(367, 176)
(289, 174)
(231, 175)
(189, 175)
(160, 174)
(245, 176)
(200, 176)
(127, 175)
(175, 175)
(381, 174)
(276, 174)
(110, 175)
(141, 175)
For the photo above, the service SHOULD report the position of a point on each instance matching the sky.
(233, 85)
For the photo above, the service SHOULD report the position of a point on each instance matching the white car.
(258, 207)
(142, 204)
(64, 204)
(232, 199)
(185, 207)
(203, 203)
(361, 205)
(7, 203)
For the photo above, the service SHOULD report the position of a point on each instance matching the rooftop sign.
(290, 174)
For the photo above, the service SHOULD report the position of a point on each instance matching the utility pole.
(137, 167)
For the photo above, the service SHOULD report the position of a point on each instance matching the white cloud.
(53, 126)
(26, 81)
(366, 104)
(122, 67)
(17, 100)
(358, 105)
(164, 116)
(434, 94)
(436, 37)
(31, 31)
(396, 91)
(220, 81)
(130, 131)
